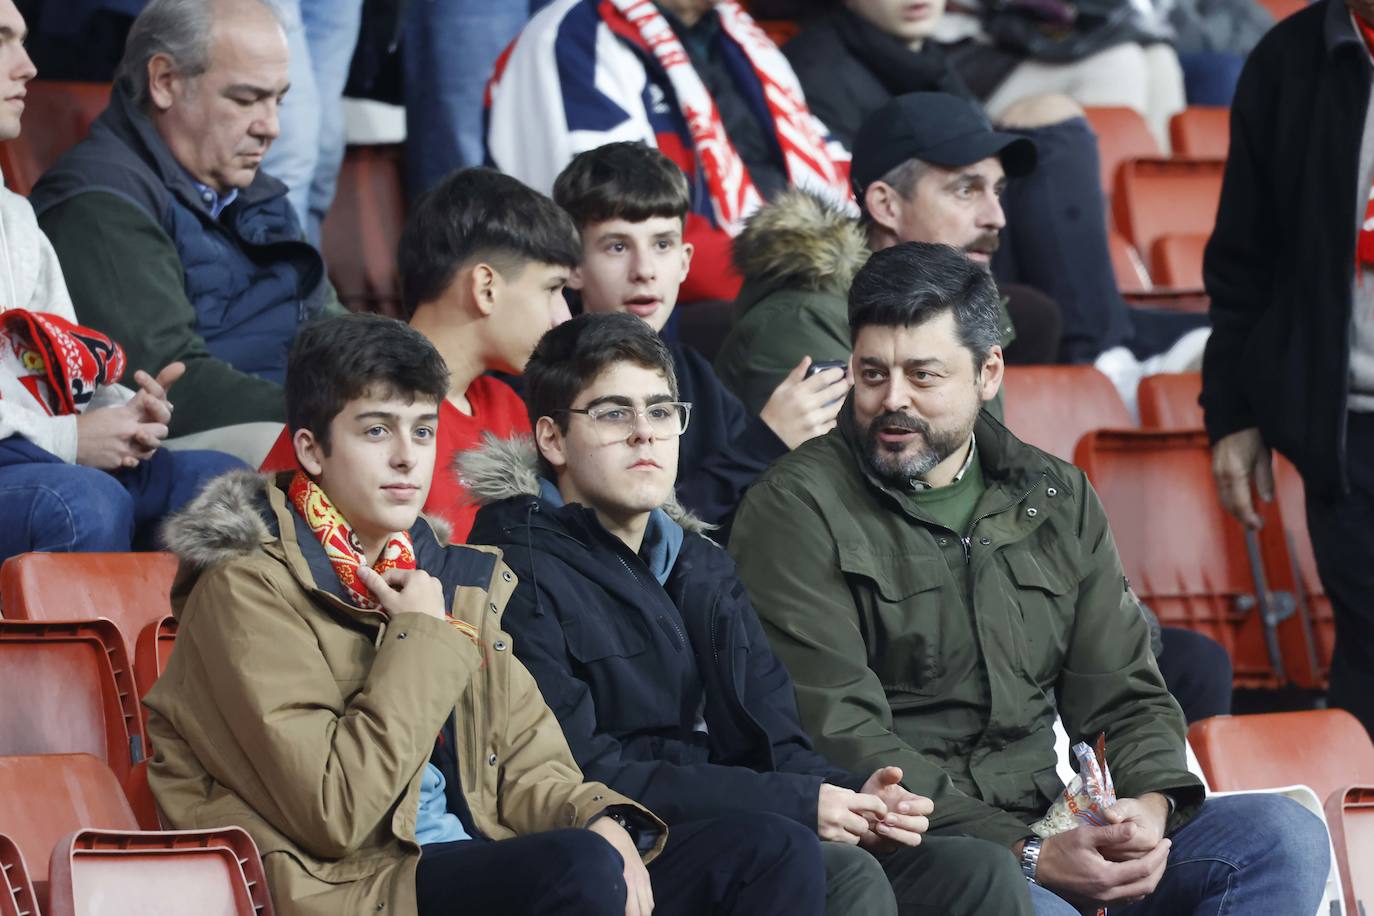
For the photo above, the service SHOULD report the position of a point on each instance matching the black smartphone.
(822, 365)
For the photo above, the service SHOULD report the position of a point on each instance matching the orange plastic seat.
(1326, 749)
(1132, 276)
(781, 31)
(363, 227)
(1350, 818)
(16, 887)
(131, 589)
(109, 873)
(1176, 260)
(1157, 197)
(1051, 407)
(1201, 131)
(1169, 400)
(152, 652)
(60, 116)
(1188, 560)
(67, 688)
(1292, 567)
(1282, 9)
(1122, 134)
(45, 797)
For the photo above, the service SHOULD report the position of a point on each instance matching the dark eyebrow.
(257, 92)
(620, 400)
(377, 415)
(927, 363)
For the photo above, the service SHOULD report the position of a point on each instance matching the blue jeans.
(52, 506)
(451, 48)
(1243, 855)
(321, 36)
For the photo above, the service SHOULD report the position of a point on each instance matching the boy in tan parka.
(341, 686)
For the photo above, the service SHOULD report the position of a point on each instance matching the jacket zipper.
(677, 631)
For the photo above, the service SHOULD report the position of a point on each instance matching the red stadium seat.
(60, 116)
(132, 589)
(1186, 558)
(1176, 260)
(1293, 568)
(68, 688)
(1350, 817)
(45, 797)
(110, 873)
(1122, 134)
(1326, 749)
(1282, 9)
(1169, 401)
(1157, 197)
(17, 897)
(781, 31)
(1132, 276)
(1201, 131)
(1051, 407)
(152, 652)
(362, 230)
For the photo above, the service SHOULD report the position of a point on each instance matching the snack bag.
(1085, 797)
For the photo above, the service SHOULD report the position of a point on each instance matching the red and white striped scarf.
(733, 194)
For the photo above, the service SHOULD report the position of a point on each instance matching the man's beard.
(899, 464)
(987, 244)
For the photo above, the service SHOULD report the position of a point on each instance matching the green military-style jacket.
(948, 653)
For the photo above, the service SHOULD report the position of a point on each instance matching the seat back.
(1169, 400)
(45, 797)
(16, 887)
(1132, 276)
(1051, 407)
(1186, 558)
(110, 873)
(1176, 260)
(1282, 9)
(61, 116)
(67, 689)
(1350, 817)
(1201, 131)
(1326, 749)
(362, 230)
(1293, 566)
(131, 589)
(1156, 197)
(1122, 134)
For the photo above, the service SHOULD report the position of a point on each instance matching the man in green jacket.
(940, 591)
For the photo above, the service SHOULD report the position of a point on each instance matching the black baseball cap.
(938, 128)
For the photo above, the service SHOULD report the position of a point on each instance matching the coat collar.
(1337, 29)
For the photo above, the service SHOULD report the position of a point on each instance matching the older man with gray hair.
(171, 237)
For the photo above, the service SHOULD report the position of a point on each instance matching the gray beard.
(897, 467)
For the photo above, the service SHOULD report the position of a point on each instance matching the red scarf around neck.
(1364, 249)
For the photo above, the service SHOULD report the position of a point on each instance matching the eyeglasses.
(617, 422)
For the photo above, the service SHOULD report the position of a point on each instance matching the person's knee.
(987, 869)
(583, 866)
(855, 882)
(1040, 111)
(78, 508)
(1294, 840)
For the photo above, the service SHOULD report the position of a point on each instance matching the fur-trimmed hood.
(504, 468)
(801, 240)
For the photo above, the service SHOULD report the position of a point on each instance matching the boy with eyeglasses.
(646, 647)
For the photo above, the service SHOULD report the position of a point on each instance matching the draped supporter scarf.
(57, 363)
(733, 194)
(345, 553)
(1364, 249)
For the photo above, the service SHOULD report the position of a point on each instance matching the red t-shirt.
(496, 408)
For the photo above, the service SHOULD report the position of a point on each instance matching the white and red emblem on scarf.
(59, 363)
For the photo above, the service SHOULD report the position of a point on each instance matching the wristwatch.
(1030, 858)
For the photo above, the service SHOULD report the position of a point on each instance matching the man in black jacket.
(1290, 270)
(630, 204)
(645, 645)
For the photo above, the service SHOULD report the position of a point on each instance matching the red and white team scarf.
(1364, 248)
(55, 362)
(733, 194)
(345, 553)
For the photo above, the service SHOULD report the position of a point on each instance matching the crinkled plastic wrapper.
(1087, 795)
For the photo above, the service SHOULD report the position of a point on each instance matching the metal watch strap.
(1030, 858)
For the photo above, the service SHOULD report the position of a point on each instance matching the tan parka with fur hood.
(308, 721)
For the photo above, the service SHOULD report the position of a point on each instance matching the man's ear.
(165, 82)
(990, 378)
(548, 438)
(688, 249)
(309, 452)
(484, 284)
(575, 278)
(883, 204)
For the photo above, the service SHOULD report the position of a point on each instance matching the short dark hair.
(479, 213)
(626, 180)
(571, 356)
(335, 360)
(909, 284)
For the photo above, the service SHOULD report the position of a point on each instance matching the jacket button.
(381, 906)
(499, 646)
(1032, 512)
(944, 542)
(507, 576)
(598, 798)
(985, 541)
(1051, 492)
(400, 635)
(493, 607)
(491, 761)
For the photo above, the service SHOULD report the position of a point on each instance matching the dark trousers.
(957, 876)
(1197, 671)
(1342, 529)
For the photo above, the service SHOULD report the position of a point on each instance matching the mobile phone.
(824, 364)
